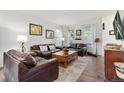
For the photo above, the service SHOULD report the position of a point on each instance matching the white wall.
(99, 35)
(76, 28)
(105, 33)
(12, 24)
(96, 26)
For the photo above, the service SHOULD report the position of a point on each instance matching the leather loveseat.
(79, 47)
(20, 67)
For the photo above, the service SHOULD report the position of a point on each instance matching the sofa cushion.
(81, 45)
(27, 59)
(35, 47)
(73, 45)
(55, 50)
(43, 48)
(44, 61)
(52, 47)
(16, 54)
(46, 54)
(38, 58)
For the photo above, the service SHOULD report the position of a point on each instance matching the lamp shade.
(97, 40)
(21, 38)
(63, 39)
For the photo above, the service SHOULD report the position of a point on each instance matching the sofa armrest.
(37, 52)
(11, 68)
(53, 60)
(45, 72)
(83, 48)
(42, 66)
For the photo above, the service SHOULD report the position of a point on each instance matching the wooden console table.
(65, 59)
(111, 56)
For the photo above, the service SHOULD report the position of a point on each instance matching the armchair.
(16, 70)
(80, 48)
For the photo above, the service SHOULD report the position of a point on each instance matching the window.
(71, 34)
(87, 31)
(58, 36)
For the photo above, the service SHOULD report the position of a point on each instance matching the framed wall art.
(78, 32)
(35, 29)
(49, 34)
(111, 32)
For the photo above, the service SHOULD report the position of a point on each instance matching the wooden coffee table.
(65, 59)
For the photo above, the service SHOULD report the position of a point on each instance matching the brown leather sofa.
(79, 47)
(15, 70)
(45, 54)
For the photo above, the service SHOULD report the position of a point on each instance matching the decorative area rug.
(74, 70)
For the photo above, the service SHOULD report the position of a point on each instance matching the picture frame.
(35, 29)
(111, 32)
(78, 32)
(49, 34)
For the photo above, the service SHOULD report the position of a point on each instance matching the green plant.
(72, 34)
(87, 31)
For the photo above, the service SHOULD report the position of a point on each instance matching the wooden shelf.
(111, 56)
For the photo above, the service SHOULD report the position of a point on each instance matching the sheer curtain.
(70, 35)
(58, 36)
(89, 37)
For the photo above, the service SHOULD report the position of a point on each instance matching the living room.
(66, 27)
(88, 38)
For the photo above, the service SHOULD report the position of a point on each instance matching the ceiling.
(68, 17)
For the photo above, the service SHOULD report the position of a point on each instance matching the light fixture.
(63, 39)
(22, 39)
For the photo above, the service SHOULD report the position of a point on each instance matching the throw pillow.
(29, 61)
(52, 47)
(43, 48)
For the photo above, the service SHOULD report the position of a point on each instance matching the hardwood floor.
(94, 72)
(2, 78)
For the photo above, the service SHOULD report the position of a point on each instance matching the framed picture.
(49, 34)
(78, 32)
(111, 32)
(35, 29)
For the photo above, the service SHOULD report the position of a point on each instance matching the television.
(118, 28)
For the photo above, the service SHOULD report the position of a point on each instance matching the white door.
(89, 37)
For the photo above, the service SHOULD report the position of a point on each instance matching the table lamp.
(63, 39)
(22, 39)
